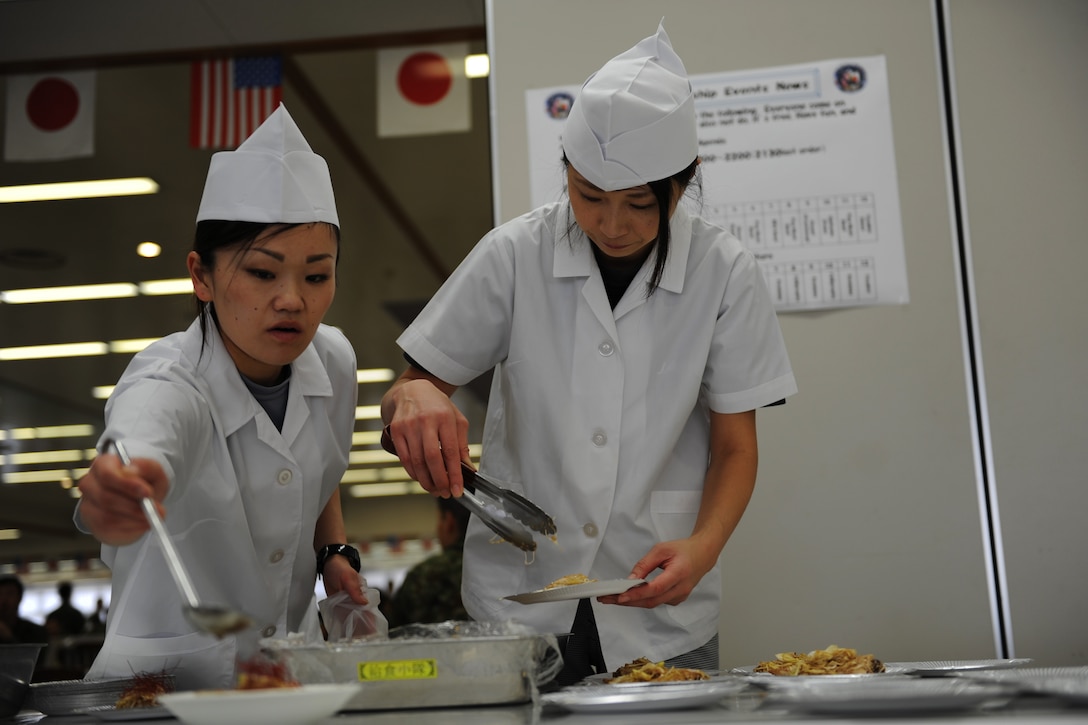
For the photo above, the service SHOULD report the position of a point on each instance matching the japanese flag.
(50, 116)
(423, 90)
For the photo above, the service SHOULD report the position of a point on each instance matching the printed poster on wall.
(797, 162)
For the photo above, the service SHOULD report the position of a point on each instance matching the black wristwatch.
(348, 552)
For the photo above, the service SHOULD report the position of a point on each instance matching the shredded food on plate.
(643, 670)
(570, 580)
(144, 691)
(831, 661)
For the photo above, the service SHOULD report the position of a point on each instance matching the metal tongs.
(508, 514)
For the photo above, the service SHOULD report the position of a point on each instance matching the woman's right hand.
(111, 494)
(429, 432)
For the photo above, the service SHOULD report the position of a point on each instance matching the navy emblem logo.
(558, 105)
(850, 78)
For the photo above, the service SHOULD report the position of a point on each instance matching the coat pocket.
(674, 512)
(196, 660)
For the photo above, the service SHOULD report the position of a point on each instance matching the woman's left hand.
(682, 567)
(340, 577)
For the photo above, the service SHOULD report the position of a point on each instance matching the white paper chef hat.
(634, 120)
(273, 177)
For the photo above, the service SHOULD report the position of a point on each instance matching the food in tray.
(570, 580)
(262, 673)
(144, 691)
(643, 670)
(831, 661)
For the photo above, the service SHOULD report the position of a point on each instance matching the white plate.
(279, 706)
(110, 713)
(576, 591)
(936, 667)
(897, 695)
(666, 696)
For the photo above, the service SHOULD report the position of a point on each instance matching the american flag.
(231, 97)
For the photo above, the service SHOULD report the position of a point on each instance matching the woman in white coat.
(238, 428)
(632, 344)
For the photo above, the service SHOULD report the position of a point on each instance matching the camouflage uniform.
(431, 591)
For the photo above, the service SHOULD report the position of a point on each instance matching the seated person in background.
(65, 620)
(13, 628)
(431, 591)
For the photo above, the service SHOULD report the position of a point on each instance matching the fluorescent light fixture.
(101, 392)
(112, 290)
(50, 431)
(48, 476)
(362, 412)
(361, 475)
(78, 190)
(42, 352)
(374, 375)
(374, 490)
(477, 66)
(131, 346)
(69, 294)
(358, 438)
(363, 458)
(35, 457)
(75, 349)
(10, 534)
(180, 286)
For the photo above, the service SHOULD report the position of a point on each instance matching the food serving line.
(499, 673)
(977, 691)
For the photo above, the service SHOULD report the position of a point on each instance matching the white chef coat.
(601, 415)
(243, 501)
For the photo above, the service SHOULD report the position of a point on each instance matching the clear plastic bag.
(346, 621)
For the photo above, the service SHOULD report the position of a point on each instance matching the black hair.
(460, 513)
(663, 190)
(213, 235)
(12, 580)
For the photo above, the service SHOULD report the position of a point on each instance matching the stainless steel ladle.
(211, 618)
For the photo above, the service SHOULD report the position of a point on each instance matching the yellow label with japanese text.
(398, 670)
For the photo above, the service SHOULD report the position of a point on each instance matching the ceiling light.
(49, 476)
(362, 458)
(180, 286)
(360, 475)
(477, 66)
(148, 249)
(372, 490)
(358, 438)
(374, 375)
(78, 190)
(35, 457)
(42, 352)
(50, 431)
(10, 534)
(131, 346)
(362, 412)
(101, 392)
(69, 294)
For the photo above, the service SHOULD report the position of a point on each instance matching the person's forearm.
(330, 524)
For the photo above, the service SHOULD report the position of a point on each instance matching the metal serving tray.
(421, 673)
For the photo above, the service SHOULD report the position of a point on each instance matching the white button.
(269, 630)
(276, 557)
(590, 530)
(284, 477)
(606, 348)
(599, 439)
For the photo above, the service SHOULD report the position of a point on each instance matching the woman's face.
(270, 298)
(620, 223)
